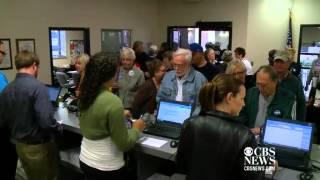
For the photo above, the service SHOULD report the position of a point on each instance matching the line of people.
(184, 75)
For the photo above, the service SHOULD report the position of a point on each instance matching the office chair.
(76, 78)
(64, 81)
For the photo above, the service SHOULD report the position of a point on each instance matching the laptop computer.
(292, 141)
(54, 93)
(170, 117)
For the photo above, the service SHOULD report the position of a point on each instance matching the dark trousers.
(96, 174)
(10, 157)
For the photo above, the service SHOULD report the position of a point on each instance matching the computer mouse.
(174, 144)
(306, 176)
(72, 108)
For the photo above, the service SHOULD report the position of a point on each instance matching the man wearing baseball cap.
(200, 64)
(281, 64)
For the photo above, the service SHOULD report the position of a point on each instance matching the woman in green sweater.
(102, 124)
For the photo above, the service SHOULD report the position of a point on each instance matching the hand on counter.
(255, 131)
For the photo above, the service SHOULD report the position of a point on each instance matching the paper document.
(154, 142)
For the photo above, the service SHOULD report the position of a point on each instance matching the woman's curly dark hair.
(100, 69)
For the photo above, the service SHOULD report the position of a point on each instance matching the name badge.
(277, 113)
(131, 73)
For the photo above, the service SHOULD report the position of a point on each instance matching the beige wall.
(179, 13)
(258, 25)
(31, 19)
(305, 12)
(268, 25)
(267, 28)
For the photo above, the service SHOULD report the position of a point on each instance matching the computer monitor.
(291, 140)
(288, 134)
(54, 93)
(174, 112)
(307, 59)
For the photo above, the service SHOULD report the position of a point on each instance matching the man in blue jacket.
(183, 83)
(26, 111)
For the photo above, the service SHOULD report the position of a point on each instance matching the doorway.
(219, 33)
(65, 45)
(112, 40)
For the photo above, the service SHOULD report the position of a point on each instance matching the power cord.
(315, 161)
(308, 175)
(315, 168)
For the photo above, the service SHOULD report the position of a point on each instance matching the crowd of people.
(231, 102)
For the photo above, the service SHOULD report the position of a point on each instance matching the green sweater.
(105, 118)
(283, 102)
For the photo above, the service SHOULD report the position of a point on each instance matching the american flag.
(289, 36)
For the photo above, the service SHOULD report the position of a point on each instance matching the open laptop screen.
(53, 93)
(173, 111)
(290, 134)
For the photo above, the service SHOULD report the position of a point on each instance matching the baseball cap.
(281, 55)
(195, 47)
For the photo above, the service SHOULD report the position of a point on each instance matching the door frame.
(86, 38)
(106, 29)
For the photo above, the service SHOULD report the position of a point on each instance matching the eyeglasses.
(176, 66)
(3, 53)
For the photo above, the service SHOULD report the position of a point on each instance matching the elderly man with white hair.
(183, 83)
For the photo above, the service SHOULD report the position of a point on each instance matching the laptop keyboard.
(164, 131)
